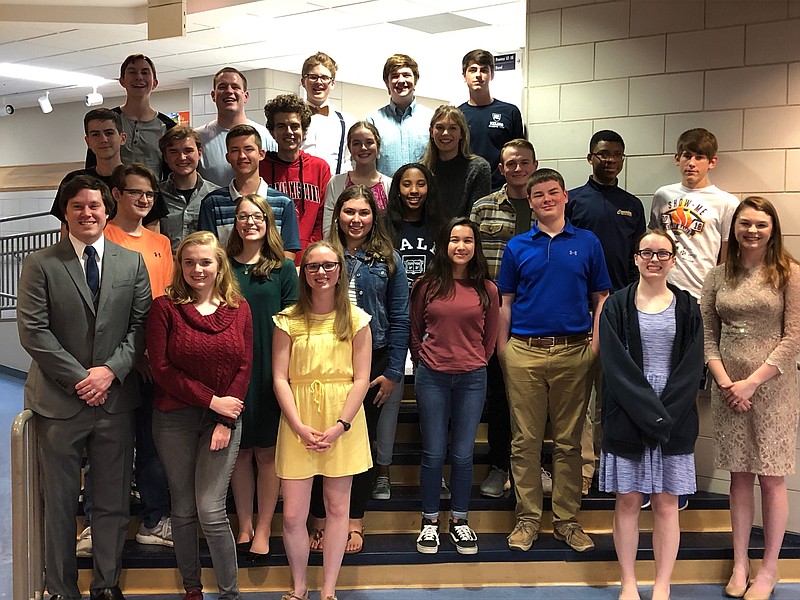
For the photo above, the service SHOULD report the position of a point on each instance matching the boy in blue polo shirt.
(547, 345)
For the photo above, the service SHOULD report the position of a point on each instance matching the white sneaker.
(83, 547)
(160, 535)
(463, 537)
(547, 483)
(428, 539)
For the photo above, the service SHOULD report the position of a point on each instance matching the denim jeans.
(445, 399)
(198, 482)
(387, 424)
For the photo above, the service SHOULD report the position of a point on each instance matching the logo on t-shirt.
(415, 265)
(497, 122)
(684, 215)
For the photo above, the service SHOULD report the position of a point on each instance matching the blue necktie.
(92, 272)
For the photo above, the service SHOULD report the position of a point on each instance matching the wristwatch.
(345, 424)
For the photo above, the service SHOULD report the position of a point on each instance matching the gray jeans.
(387, 424)
(198, 482)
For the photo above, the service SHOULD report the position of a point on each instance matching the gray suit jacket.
(65, 334)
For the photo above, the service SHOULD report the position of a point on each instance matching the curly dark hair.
(287, 103)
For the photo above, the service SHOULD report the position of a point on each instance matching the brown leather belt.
(548, 342)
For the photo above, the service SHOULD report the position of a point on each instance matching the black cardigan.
(633, 416)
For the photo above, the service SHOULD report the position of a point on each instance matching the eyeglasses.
(606, 157)
(661, 255)
(325, 266)
(244, 217)
(314, 78)
(137, 194)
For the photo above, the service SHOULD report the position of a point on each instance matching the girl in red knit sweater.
(200, 342)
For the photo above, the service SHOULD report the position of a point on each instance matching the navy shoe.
(645, 500)
(683, 502)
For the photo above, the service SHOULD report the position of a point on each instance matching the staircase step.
(703, 557)
(707, 512)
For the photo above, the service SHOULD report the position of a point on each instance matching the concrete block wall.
(650, 69)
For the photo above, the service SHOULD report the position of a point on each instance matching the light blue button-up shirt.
(404, 134)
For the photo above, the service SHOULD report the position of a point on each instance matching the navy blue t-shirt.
(616, 217)
(490, 127)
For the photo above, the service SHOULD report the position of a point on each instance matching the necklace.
(247, 267)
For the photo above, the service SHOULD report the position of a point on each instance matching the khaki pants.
(592, 428)
(543, 382)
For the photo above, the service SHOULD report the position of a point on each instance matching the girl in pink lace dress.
(751, 314)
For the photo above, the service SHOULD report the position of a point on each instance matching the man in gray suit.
(81, 312)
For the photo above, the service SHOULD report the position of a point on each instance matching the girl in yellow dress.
(321, 360)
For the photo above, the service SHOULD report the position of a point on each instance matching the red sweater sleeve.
(241, 381)
(160, 327)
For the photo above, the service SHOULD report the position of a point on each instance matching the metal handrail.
(27, 508)
(25, 216)
(13, 249)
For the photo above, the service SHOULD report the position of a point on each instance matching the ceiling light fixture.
(51, 76)
(94, 99)
(44, 103)
(6, 110)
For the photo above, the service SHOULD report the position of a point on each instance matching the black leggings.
(362, 482)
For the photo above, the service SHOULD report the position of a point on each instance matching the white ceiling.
(274, 34)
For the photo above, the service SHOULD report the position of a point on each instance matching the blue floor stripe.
(789, 591)
(10, 407)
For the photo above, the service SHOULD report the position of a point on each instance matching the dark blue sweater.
(617, 219)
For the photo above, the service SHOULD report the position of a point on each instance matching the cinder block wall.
(651, 69)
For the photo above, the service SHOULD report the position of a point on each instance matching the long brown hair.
(226, 288)
(447, 111)
(343, 320)
(378, 242)
(438, 278)
(777, 261)
(271, 251)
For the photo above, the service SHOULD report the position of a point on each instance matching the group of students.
(163, 177)
(299, 371)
